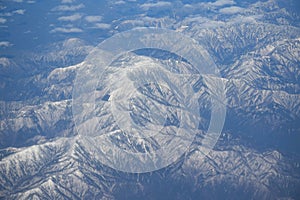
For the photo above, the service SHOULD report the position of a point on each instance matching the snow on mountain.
(256, 50)
(64, 169)
(35, 123)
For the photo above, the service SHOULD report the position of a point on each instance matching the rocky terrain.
(256, 47)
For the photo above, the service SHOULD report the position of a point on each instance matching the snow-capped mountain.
(255, 46)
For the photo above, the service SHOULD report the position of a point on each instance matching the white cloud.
(133, 23)
(95, 18)
(9, 14)
(66, 30)
(71, 18)
(18, 1)
(2, 20)
(68, 8)
(67, 1)
(232, 10)
(220, 3)
(160, 4)
(245, 19)
(102, 26)
(119, 2)
(188, 6)
(6, 14)
(4, 62)
(19, 12)
(4, 44)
